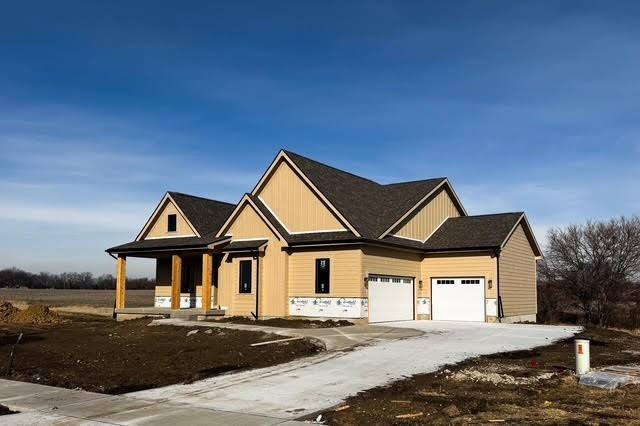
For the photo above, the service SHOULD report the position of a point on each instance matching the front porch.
(186, 285)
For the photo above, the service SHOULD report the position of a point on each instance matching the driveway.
(305, 386)
(278, 394)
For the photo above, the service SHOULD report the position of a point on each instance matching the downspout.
(499, 298)
(257, 313)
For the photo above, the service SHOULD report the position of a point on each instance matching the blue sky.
(105, 105)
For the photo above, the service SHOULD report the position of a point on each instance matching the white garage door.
(390, 299)
(457, 299)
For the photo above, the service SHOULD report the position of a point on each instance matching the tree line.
(14, 278)
(591, 274)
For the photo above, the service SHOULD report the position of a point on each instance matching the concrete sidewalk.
(47, 405)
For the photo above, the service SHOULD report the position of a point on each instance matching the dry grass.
(97, 302)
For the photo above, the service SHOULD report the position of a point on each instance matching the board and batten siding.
(272, 285)
(518, 276)
(346, 279)
(430, 217)
(294, 203)
(158, 227)
(460, 265)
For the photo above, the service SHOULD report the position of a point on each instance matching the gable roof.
(369, 207)
(473, 232)
(206, 215)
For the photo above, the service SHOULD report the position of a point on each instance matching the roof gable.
(479, 232)
(368, 206)
(201, 215)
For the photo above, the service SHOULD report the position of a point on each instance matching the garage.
(391, 298)
(458, 299)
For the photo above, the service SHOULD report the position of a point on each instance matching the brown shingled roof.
(473, 232)
(368, 206)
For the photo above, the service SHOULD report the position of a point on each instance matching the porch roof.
(157, 244)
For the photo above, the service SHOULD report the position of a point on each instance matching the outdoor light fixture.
(420, 284)
(490, 284)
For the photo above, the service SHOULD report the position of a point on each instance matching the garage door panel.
(458, 299)
(390, 299)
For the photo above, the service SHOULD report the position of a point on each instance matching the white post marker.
(582, 356)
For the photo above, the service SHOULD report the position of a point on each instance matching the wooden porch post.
(121, 281)
(176, 280)
(207, 277)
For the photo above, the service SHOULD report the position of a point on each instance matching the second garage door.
(390, 298)
(458, 299)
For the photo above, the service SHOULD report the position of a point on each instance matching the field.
(99, 302)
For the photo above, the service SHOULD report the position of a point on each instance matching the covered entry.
(458, 299)
(391, 298)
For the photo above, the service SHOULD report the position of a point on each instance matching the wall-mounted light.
(490, 284)
(420, 284)
(366, 282)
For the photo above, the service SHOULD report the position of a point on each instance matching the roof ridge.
(487, 214)
(415, 181)
(286, 151)
(199, 197)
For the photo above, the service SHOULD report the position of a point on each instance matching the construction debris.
(33, 314)
(474, 375)
(277, 341)
(410, 416)
(192, 332)
(612, 377)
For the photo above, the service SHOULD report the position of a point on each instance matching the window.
(470, 281)
(172, 223)
(245, 276)
(322, 275)
(444, 282)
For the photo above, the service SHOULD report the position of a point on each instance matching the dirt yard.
(100, 355)
(98, 302)
(524, 387)
(288, 323)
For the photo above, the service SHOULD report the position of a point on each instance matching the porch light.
(490, 284)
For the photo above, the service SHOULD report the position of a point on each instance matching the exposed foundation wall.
(348, 295)
(518, 276)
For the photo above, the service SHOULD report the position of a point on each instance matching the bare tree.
(594, 263)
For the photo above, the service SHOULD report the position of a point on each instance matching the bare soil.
(523, 387)
(288, 322)
(100, 355)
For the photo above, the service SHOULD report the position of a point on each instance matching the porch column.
(176, 280)
(207, 277)
(121, 280)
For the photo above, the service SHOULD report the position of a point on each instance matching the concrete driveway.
(277, 395)
(305, 386)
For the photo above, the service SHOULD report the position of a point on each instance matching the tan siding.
(518, 276)
(390, 262)
(294, 203)
(273, 288)
(430, 217)
(459, 265)
(346, 278)
(158, 227)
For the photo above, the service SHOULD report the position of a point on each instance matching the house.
(314, 241)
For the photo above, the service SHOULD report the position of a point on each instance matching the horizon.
(528, 107)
